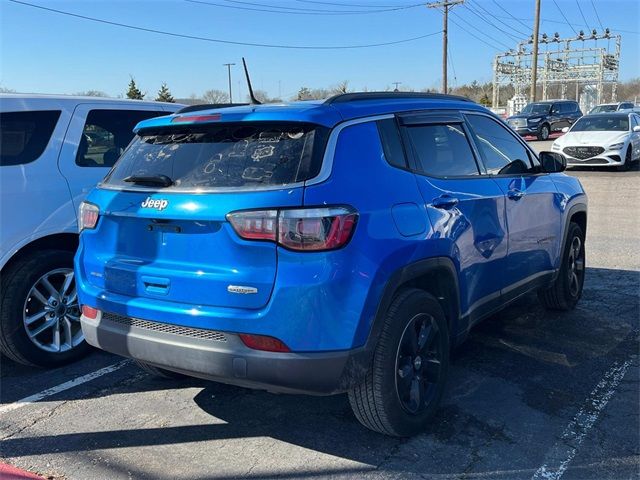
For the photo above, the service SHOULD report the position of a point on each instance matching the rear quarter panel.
(34, 197)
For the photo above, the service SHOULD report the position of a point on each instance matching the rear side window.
(392, 143)
(224, 155)
(501, 152)
(25, 135)
(107, 133)
(442, 150)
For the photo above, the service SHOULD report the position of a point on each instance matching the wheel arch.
(437, 276)
(58, 241)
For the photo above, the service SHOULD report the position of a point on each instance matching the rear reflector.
(90, 312)
(303, 229)
(263, 342)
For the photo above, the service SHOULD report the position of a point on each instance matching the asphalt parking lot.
(532, 395)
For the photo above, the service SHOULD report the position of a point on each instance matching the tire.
(543, 133)
(567, 288)
(159, 372)
(626, 166)
(23, 297)
(395, 398)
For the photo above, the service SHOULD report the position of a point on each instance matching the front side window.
(502, 153)
(106, 134)
(25, 135)
(442, 150)
(221, 156)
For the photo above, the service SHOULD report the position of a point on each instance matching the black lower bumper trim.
(229, 361)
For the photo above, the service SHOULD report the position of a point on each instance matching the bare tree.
(215, 96)
(92, 93)
(342, 87)
(263, 97)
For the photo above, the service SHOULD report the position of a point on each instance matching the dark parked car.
(543, 118)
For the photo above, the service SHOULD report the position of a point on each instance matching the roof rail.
(354, 97)
(208, 106)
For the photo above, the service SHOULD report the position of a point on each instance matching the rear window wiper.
(150, 180)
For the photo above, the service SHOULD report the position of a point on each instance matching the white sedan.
(602, 139)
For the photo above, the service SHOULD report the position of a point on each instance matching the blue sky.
(46, 52)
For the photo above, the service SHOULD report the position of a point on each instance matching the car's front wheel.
(627, 161)
(405, 382)
(39, 312)
(543, 133)
(567, 288)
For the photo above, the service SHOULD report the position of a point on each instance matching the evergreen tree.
(164, 95)
(134, 92)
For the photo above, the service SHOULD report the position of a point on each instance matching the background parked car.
(53, 151)
(611, 107)
(543, 118)
(602, 139)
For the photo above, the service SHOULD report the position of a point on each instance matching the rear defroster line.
(62, 387)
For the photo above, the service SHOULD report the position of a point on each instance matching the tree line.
(480, 92)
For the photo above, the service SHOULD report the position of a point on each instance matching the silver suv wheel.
(51, 314)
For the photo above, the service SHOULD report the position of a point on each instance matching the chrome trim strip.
(330, 150)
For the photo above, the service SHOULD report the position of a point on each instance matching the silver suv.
(53, 150)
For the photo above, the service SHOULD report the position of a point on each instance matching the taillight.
(302, 229)
(263, 342)
(90, 312)
(89, 214)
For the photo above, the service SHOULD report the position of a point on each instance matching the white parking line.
(62, 387)
(558, 458)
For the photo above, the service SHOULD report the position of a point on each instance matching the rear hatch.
(163, 231)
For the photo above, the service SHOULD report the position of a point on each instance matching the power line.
(359, 6)
(583, 17)
(292, 10)
(481, 17)
(565, 18)
(597, 16)
(470, 33)
(493, 39)
(508, 13)
(217, 40)
(491, 14)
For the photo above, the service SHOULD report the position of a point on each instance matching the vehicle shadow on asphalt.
(515, 383)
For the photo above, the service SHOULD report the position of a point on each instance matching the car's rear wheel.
(567, 288)
(158, 372)
(543, 133)
(405, 382)
(39, 314)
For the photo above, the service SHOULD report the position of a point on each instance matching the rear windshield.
(223, 155)
(607, 123)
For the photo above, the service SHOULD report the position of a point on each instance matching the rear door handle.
(515, 194)
(445, 201)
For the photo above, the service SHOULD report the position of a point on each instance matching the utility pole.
(396, 84)
(229, 65)
(534, 59)
(445, 34)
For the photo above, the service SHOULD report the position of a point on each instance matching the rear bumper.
(223, 357)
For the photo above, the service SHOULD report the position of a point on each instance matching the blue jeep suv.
(323, 247)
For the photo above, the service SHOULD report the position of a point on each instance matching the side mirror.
(636, 128)
(552, 162)
(565, 129)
